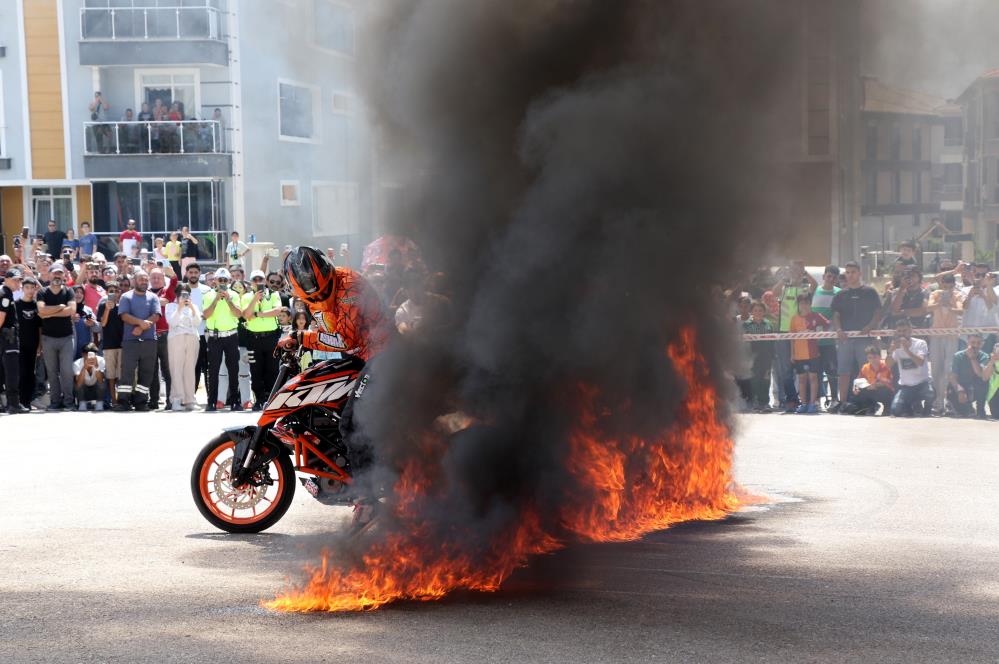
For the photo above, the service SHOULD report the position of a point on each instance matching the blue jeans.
(786, 389)
(909, 398)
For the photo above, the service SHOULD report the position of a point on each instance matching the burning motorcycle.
(243, 481)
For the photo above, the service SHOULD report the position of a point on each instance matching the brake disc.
(245, 497)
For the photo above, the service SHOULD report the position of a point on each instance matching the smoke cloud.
(587, 174)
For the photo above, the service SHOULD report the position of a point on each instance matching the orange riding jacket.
(352, 321)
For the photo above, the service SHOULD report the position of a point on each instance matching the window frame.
(29, 204)
(356, 221)
(298, 193)
(3, 122)
(325, 49)
(168, 71)
(317, 100)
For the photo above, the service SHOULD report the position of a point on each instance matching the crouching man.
(90, 385)
(915, 392)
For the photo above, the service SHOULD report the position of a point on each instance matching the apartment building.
(260, 129)
(980, 107)
(910, 166)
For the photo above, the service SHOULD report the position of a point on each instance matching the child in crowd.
(71, 243)
(763, 357)
(873, 386)
(805, 353)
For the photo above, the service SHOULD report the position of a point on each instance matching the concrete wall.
(12, 94)
(340, 153)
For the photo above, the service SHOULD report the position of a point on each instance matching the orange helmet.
(310, 273)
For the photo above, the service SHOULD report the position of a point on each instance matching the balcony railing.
(150, 23)
(178, 137)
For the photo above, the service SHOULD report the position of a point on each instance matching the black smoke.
(588, 174)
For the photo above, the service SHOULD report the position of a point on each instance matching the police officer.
(10, 354)
(261, 307)
(221, 311)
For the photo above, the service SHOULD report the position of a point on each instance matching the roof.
(883, 98)
(989, 75)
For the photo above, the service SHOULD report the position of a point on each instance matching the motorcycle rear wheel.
(247, 509)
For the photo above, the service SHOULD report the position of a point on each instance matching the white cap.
(257, 273)
(223, 273)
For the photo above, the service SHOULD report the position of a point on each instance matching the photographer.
(111, 337)
(874, 386)
(184, 318)
(915, 393)
(84, 323)
(90, 384)
(980, 300)
(10, 351)
(967, 380)
(221, 314)
(261, 307)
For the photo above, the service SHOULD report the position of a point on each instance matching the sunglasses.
(257, 280)
(221, 280)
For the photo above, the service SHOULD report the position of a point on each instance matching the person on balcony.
(145, 115)
(129, 134)
(102, 139)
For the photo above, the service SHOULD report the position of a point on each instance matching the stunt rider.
(352, 320)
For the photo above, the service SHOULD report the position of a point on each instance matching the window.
(52, 203)
(871, 188)
(169, 85)
(895, 147)
(896, 187)
(917, 144)
(953, 131)
(333, 26)
(289, 193)
(952, 174)
(298, 112)
(871, 140)
(917, 187)
(953, 222)
(334, 208)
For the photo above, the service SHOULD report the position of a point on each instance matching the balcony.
(143, 36)
(189, 148)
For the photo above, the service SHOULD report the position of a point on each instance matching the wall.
(11, 92)
(12, 214)
(41, 36)
(341, 152)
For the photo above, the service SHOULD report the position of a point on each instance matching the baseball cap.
(223, 273)
(56, 267)
(257, 273)
(12, 274)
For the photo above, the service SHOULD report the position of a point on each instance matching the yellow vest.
(267, 323)
(222, 319)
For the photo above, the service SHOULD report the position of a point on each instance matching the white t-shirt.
(182, 320)
(909, 374)
(977, 313)
(89, 378)
(197, 295)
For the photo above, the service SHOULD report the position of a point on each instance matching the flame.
(631, 487)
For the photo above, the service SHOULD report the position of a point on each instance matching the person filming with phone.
(915, 392)
(261, 307)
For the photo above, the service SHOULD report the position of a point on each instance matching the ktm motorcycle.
(243, 481)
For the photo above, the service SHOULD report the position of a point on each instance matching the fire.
(631, 487)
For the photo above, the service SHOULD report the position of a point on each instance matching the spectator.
(742, 308)
(72, 244)
(159, 287)
(171, 251)
(874, 386)
(139, 310)
(88, 242)
(189, 248)
(198, 291)
(855, 308)
(945, 306)
(422, 311)
(221, 313)
(159, 254)
(111, 338)
(145, 115)
(184, 318)
(261, 307)
(763, 357)
(93, 289)
(54, 239)
(235, 251)
(90, 384)
(276, 283)
(906, 254)
(84, 323)
(915, 391)
(805, 353)
(303, 322)
(56, 308)
(122, 264)
(99, 107)
(967, 383)
(29, 346)
(910, 301)
(284, 319)
(980, 308)
(822, 304)
(6, 264)
(130, 241)
(10, 347)
(239, 287)
(992, 376)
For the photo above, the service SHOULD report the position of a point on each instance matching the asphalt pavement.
(879, 543)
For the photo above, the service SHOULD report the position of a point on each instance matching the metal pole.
(149, 137)
(177, 11)
(145, 24)
(214, 144)
(180, 130)
(112, 24)
(117, 139)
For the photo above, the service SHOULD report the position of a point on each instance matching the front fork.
(248, 443)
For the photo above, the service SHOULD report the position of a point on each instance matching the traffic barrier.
(916, 332)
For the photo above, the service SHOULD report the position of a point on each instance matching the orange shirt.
(352, 320)
(880, 377)
(806, 349)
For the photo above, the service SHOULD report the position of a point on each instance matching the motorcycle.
(243, 481)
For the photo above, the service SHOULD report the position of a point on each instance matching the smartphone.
(136, 261)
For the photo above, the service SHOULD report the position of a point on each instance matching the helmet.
(310, 273)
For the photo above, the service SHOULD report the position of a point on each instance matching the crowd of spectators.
(903, 373)
(145, 330)
(160, 128)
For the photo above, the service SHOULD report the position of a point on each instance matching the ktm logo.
(325, 392)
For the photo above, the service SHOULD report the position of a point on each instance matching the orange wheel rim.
(229, 503)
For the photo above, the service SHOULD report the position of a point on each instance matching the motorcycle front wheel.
(249, 508)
